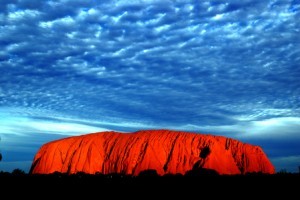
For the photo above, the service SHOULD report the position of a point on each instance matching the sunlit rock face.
(167, 152)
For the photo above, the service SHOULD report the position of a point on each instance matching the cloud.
(144, 40)
(272, 129)
(42, 122)
(276, 127)
(15, 125)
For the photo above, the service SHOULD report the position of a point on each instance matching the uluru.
(165, 151)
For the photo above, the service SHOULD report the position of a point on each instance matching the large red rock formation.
(165, 151)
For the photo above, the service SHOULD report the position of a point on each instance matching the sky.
(227, 68)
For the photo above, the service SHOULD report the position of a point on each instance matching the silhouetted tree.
(0, 152)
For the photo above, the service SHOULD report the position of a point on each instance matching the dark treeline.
(151, 173)
(147, 184)
(147, 174)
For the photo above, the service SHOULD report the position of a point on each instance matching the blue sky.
(228, 68)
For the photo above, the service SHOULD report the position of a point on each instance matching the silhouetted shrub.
(173, 175)
(115, 175)
(2, 173)
(81, 174)
(99, 174)
(18, 172)
(282, 171)
(57, 174)
(255, 174)
(202, 172)
(149, 173)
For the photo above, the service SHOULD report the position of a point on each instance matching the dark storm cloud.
(212, 66)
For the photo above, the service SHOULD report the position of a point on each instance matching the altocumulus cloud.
(228, 68)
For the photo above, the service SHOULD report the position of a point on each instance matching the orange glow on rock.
(167, 152)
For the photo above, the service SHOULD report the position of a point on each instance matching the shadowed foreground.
(166, 152)
(149, 184)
